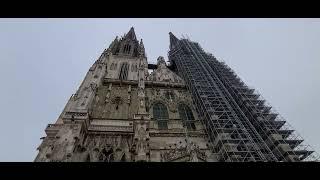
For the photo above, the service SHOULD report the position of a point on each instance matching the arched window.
(186, 116)
(129, 48)
(126, 49)
(124, 71)
(160, 114)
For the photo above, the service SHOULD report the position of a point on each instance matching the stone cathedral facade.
(123, 113)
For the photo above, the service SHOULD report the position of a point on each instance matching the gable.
(164, 74)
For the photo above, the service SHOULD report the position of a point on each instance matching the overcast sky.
(43, 61)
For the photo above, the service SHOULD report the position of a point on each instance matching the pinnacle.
(173, 39)
(131, 34)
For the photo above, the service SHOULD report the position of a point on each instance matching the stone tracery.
(103, 135)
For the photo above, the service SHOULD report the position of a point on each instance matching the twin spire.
(132, 36)
(129, 45)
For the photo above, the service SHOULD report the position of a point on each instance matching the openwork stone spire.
(173, 40)
(131, 35)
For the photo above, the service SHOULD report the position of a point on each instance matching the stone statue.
(94, 155)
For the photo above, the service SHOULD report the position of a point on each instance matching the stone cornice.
(111, 128)
(147, 83)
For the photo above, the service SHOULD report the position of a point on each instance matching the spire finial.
(131, 34)
(173, 40)
(141, 48)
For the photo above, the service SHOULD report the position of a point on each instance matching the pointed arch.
(123, 158)
(129, 49)
(126, 48)
(88, 158)
(123, 75)
(112, 66)
(160, 114)
(186, 116)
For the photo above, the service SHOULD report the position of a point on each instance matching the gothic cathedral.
(123, 113)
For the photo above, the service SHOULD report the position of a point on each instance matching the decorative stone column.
(140, 148)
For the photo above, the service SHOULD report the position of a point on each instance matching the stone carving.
(118, 155)
(162, 73)
(61, 147)
(129, 99)
(107, 97)
(117, 100)
(94, 155)
(140, 146)
(80, 154)
(171, 134)
(76, 113)
(106, 148)
(75, 97)
(111, 128)
(179, 97)
(96, 98)
(189, 152)
(94, 87)
(172, 106)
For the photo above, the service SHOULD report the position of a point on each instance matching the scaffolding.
(285, 143)
(239, 123)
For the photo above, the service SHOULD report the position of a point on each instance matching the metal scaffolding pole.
(238, 124)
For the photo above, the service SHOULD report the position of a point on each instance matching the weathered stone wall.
(117, 103)
(114, 65)
(111, 119)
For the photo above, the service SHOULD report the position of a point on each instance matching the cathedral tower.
(194, 109)
(239, 124)
(122, 113)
